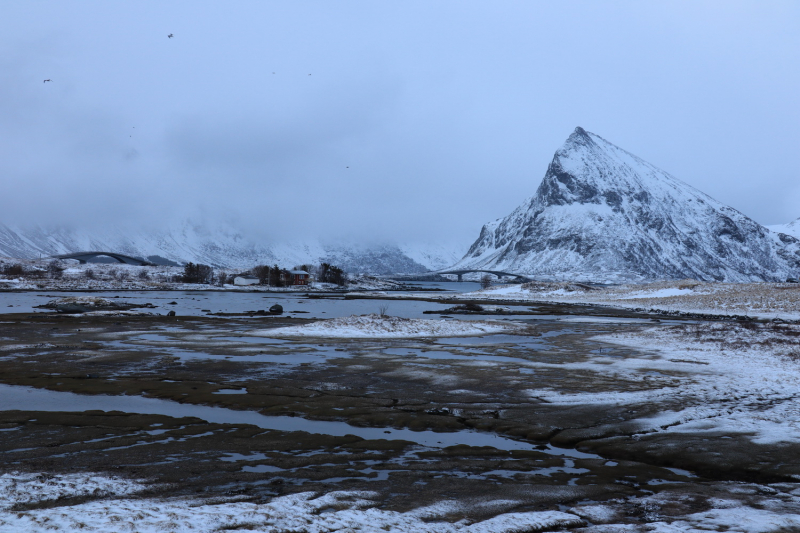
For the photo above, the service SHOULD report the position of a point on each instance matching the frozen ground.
(33, 503)
(765, 300)
(745, 379)
(381, 326)
(304, 512)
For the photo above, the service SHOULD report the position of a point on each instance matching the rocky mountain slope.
(224, 246)
(604, 214)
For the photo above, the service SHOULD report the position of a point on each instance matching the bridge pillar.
(459, 277)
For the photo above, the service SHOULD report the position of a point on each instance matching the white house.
(245, 280)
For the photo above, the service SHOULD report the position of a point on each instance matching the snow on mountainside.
(223, 246)
(602, 213)
(792, 228)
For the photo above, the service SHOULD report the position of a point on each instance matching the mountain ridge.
(601, 212)
(224, 245)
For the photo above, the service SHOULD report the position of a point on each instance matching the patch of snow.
(343, 511)
(377, 326)
(18, 488)
(663, 293)
(757, 367)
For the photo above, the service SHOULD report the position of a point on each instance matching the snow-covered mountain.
(792, 228)
(602, 213)
(224, 245)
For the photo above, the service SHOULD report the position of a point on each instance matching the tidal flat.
(548, 417)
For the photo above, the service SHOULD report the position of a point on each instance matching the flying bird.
(45, 81)
(170, 36)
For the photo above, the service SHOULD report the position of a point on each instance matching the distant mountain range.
(222, 245)
(792, 228)
(604, 214)
(599, 214)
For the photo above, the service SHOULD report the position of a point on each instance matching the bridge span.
(498, 273)
(82, 257)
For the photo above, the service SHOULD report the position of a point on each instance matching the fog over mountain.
(227, 246)
(379, 123)
(603, 214)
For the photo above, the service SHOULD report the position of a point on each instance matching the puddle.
(261, 469)
(14, 397)
(442, 355)
(232, 457)
(252, 340)
(289, 358)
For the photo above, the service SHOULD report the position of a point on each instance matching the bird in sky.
(170, 36)
(45, 81)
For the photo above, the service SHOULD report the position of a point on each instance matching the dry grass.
(753, 299)
(781, 339)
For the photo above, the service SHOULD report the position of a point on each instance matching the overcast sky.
(447, 113)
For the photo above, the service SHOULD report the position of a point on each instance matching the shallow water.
(14, 397)
(195, 303)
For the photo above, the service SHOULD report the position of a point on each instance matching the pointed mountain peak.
(579, 138)
(603, 213)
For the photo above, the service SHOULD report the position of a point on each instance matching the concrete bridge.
(85, 256)
(498, 273)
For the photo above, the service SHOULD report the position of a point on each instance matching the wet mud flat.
(416, 420)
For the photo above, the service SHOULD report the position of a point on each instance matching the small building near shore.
(245, 280)
(299, 277)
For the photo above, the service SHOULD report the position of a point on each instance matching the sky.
(382, 121)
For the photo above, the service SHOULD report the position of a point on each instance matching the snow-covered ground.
(303, 512)
(764, 300)
(381, 326)
(111, 507)
(737, 379)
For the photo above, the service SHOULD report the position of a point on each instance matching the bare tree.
(486, 281)
(262, 273)
(55, 270)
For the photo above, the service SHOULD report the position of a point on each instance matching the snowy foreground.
(765, 300)
(738, 379)
(757, 365)
(380, 326)
(112, 507)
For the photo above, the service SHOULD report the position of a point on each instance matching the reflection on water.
(216, 301)
(189, 304)
(15, 397)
